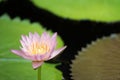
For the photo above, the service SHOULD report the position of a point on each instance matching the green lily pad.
(16, 69)
(13, 67)
(11, 31)
(98, 10)
(50, 73)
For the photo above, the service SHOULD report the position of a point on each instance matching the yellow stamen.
(37, 48)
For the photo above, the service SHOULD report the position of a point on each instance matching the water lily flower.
(38, 48)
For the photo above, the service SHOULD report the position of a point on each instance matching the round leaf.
(99, 10)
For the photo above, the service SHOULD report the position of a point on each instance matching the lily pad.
(16, 69)
(50, 73)
(98, 10)
(98, 61)
(13, 67)
(11, 31)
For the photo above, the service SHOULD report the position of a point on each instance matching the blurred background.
(76, 31)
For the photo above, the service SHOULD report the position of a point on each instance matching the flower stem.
(39, 73)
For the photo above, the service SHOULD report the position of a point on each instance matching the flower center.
(37, 48)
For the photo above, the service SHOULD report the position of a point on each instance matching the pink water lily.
(38, 48)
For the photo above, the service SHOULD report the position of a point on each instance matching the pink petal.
(45, 37)
(53, 40)
(28, 40)
(43, 57)
(56, 52)
(23, 44)
(24, 55)
(37, 36)
(23, 41)
(24, 38)
(38, 57)
(18, 52)
(30, 36)
(54, 36)
(36, 64)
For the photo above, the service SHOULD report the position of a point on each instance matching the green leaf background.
(97, 10)
(13, 67)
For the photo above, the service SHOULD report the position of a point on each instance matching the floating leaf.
(99, 61)
(99, 10)
(13, 67)
(51, 73)
(11, 31)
